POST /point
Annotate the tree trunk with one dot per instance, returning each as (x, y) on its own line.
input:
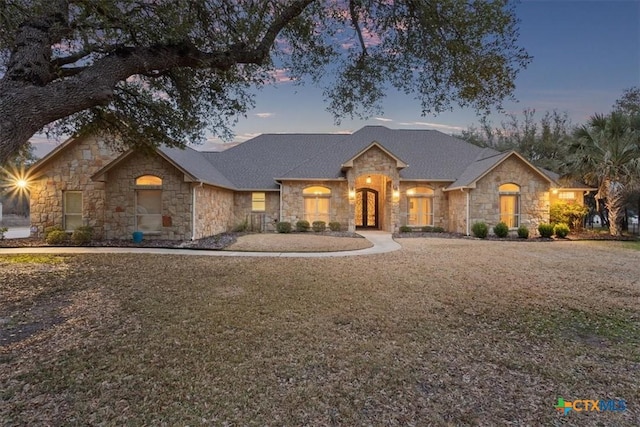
(615, 206)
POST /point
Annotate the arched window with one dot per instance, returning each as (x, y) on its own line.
(317, 201)
(149, 204)
(420, 206)
(149, 180)
(510, 204)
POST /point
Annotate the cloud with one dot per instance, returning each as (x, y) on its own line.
(280, 75)
(434, 125)
(342, 132)
(383, 119)
(264, 115)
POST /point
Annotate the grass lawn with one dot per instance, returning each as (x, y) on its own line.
(443, 332)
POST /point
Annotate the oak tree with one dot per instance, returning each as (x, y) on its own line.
(162, 71)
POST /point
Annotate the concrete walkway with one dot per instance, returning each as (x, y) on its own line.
(382, 243)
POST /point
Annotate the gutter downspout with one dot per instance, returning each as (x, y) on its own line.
(280, 197)
(468, 212)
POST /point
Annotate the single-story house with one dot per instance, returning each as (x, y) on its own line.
(376, 178)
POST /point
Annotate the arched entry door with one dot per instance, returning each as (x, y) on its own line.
(367, 208)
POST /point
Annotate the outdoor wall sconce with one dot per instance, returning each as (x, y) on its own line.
(368, 180)
(352, 193)
(396, 193)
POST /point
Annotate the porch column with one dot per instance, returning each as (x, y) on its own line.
(351, 195)
(395, 204)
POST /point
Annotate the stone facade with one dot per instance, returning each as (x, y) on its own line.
(70, 170)
(534, 194)
(120, 189)
(457, 201)
(385, 179)
(293, 200)
(214, 210)
(255, 220)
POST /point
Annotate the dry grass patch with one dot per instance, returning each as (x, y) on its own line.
(307, 242)
(443, 332)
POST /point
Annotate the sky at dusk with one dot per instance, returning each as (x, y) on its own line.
(585, 53)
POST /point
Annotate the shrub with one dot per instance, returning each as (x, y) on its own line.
(241, 227)
(438, 230)
(427, 229)
(561, 230)
(571, 214)
(283, 227)
(49, 230)
(335, 226)
(545, 230)
(56, 237)
(405, 229)
(480, 229)
(319, 226)
(501, 230)
(302, 225)
(2, 231)
(82, 235)
(523, 232)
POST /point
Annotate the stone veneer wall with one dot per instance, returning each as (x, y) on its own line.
(534, 194)
(293, 204)
(376, 162)
(71, 170)
(257, 221)
(457, 211)
(440, 203)
(214, 210)
(120, 212)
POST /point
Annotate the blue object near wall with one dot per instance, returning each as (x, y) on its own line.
(137, 236)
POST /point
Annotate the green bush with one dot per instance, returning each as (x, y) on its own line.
(283, 227)
(2, 231)
(319, 226)
(82, 235)
(335, 226)
(49, 230)
(405, 229)
(427, 229)
(523, 232)
(56, 237)
(561, 230)
(302, 225)
(571, 214)
(501, 230)
(480, 229)
(545, 230)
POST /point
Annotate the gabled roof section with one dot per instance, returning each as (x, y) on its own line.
(188, 161)
(399, 163)
(483, 165)
(256, 163)
(52, 154)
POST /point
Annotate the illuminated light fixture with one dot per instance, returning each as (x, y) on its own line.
(22, 183)
(411, 192)
(554, 190)
(368, 180)
(396, 193)
(352, 194)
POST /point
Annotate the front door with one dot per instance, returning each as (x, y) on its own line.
(367, 208)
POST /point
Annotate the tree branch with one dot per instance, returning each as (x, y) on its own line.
(356, 25)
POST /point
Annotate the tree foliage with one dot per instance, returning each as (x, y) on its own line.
(605, 153)
(161, 72)
(541, 142)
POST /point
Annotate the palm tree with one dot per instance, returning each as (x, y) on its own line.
(606, 154)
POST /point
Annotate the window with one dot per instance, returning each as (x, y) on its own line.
(420, 203)
(510, 204)
(567, 196)
(316, 203)
(149, 204)
(72, 210)
(258, 202)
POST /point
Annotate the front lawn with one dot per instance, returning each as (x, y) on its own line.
(443, 332)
